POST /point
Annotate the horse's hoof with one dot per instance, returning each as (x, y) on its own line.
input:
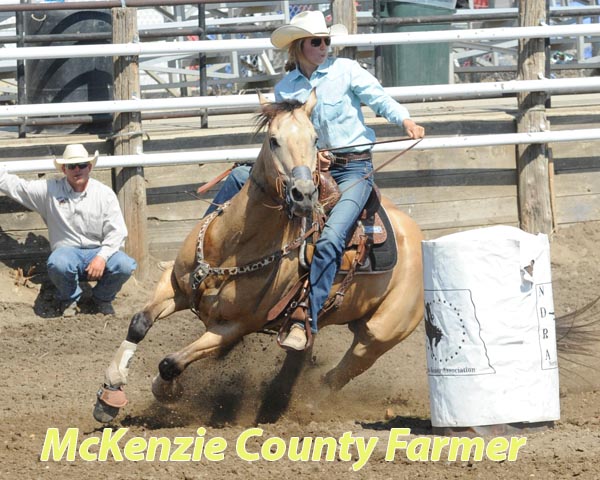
(166, 391)
(108, 403)
(104, 413)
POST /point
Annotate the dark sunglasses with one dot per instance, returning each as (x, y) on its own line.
(80, 166)
(316, 42)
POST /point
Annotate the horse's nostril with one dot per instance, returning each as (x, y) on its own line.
(297, 195)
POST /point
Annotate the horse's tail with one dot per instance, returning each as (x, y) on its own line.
(578, 333)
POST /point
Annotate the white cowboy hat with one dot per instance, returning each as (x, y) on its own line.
(303, 25)
(75, 153)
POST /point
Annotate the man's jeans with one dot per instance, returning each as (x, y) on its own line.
(66, 268)
(330, 246)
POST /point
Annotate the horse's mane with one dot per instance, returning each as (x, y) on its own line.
(271, 110)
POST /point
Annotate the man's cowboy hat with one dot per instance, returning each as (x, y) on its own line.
(303, 25)
(75, 153)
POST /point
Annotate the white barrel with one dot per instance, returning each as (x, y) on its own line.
(489, 321)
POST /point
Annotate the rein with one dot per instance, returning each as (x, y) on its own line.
(280, 204)
(369, 144)
(386, 163)
(208, 185)
(204, 269)
(395, 157)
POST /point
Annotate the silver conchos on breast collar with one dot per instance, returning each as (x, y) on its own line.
(203, 269)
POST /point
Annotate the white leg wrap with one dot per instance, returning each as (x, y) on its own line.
(117, 371)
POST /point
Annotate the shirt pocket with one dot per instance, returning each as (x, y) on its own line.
(93, 225)
(340, 117)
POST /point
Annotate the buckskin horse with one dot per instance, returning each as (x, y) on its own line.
(239, 262)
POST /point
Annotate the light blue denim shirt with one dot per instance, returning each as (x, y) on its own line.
(341, 85)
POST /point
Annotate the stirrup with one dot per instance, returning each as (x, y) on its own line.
(296, 339)
(289, 338)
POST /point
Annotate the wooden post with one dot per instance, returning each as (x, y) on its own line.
(535, 212)
(378, 50)
(202, 80)
(21, 86)
(127, 140)
(344, 12)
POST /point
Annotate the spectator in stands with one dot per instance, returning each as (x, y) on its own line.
(85, 227)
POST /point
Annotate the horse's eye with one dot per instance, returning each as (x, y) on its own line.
(273, 143)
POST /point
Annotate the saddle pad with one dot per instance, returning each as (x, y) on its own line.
(382, 256)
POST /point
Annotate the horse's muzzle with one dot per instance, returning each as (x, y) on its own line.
(301, 192)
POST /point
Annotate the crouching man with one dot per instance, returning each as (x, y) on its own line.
(85, 227)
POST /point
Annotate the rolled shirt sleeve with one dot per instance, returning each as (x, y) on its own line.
(342, 85)
(29, 193)
(372, 94)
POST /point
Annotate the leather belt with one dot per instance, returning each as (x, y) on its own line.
(344, 158)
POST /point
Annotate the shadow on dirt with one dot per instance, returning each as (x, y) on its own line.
(277, 395)
(224, 401)
(27, 261)
(157, 417)
(418, 426)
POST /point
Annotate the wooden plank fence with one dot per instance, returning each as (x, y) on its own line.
(443, 190)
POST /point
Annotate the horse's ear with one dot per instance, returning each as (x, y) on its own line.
(311, 102)
(262, 99)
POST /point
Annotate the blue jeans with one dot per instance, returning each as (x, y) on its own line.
(232, 185)
(66, 267)
(330, 245)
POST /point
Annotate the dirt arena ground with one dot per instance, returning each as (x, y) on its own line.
(52, 368)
